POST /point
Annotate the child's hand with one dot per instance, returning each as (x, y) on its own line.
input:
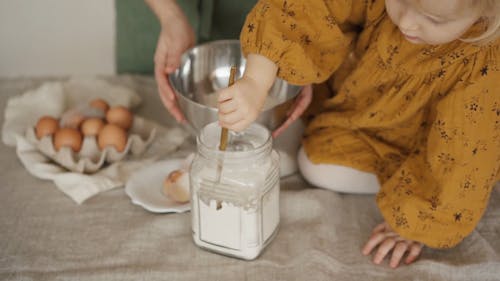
(240, 104)
(386, 240)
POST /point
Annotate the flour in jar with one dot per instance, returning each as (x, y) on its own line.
(248, 213)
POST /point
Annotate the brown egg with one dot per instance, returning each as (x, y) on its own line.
(74, 121)
(46, 126)
(112, 135)
(68, 137)
(100, 104)
(92, 126)
(121, 116)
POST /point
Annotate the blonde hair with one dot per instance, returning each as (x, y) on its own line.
(490, 15)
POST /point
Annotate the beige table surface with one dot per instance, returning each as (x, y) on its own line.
(46, 236)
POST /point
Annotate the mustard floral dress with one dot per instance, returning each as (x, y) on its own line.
(425, 119)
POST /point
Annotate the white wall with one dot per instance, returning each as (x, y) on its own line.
(56, 37)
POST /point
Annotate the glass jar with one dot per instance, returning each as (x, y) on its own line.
(235, 193)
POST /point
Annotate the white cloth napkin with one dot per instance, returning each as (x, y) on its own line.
(53, 98)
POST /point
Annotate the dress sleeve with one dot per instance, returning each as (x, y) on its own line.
(441, 191)
(307, 39)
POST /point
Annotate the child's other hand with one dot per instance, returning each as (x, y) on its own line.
(240, 104)
(386, 240)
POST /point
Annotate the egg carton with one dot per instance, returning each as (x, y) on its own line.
(90, 158)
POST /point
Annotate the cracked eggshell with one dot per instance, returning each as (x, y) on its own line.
(176, 186)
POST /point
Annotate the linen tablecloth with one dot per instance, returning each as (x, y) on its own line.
(44, 235)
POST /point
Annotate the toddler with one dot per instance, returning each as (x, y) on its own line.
(410, 109)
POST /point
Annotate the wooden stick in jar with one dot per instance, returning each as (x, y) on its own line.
(224, 137)
(224, 132)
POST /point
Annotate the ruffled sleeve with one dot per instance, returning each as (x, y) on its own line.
(307, 39)
(440, 192)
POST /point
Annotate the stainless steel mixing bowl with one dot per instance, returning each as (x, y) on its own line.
(205, 69)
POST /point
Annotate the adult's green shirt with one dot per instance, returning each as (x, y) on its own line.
(138, 28)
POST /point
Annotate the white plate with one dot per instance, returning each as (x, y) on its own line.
(145, 188)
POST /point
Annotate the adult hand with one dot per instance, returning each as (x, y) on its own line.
(176, 36)
(299, 106)
(386, 240)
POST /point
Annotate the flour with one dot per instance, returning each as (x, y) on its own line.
(250, 209)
